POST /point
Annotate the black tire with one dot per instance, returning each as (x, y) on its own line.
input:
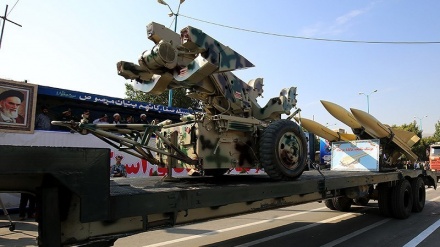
(283, 150)
(402, 199)
(362, 201)
(384, 199)
(342, 203)
(419, 194)
(329, 204)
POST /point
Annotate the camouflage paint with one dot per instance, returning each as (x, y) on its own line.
(227, 134)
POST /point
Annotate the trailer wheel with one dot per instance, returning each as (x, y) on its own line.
(419, 194)
(283, 150)
(384, 199)
(342, 203)
(329, 204)
(362, 201)
(402, 199)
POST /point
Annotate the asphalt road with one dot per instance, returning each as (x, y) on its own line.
(309, 224)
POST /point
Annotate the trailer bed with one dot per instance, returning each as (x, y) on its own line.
(80, 204)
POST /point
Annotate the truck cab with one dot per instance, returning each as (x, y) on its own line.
(434, 158)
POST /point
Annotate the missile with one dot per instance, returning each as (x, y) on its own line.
(341, 114)
(408, 137)
(371, 124)
(347, 118)
(324, 132)
(379, 130)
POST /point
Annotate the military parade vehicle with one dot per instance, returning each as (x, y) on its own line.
(232, 129)
(79, 204)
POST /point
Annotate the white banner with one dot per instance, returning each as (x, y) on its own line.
(361, 155)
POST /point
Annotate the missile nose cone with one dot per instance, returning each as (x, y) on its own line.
(341, 114)
(362, 116)
(357, 111)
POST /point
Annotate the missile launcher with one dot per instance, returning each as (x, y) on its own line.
(231, 131)
(394, 142)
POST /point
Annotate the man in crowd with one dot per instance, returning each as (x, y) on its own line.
(10, 101)
(116, 118)
(143, 119)
(101, 120)
(42, 122)
(118, 169)
(23, 210)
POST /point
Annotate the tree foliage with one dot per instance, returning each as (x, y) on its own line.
(421, 147)
(179, 97)
(411, 127)
(437, 131)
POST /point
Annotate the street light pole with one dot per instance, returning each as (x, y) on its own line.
(368, 99)
(170, 93)
(420, 121)
(5, 18)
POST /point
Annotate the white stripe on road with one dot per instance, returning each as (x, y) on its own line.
(354, 234)
(231, 228)
(262, 240)
(284, 233)
(345, 238)
(324, 221)
(423, 235)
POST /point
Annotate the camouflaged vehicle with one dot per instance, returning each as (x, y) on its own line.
(232, 131)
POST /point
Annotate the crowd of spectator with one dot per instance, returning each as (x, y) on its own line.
(418, 165)
(44, 117)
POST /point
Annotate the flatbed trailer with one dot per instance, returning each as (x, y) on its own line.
(77, 203)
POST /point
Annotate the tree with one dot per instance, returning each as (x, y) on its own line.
(179, 97)
(437, 131)
(411, 127)
(423, 144)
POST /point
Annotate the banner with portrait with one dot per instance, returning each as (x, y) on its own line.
(17, 106)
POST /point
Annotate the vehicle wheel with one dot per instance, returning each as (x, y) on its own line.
(362, 201)
(283, 150)
(419, 194)
(342, 203)
(402, 199)
(384, 199)
(329, 204)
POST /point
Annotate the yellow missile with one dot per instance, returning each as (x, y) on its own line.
(379, 130)
(341, 114)
(408, 137)
(324, 132)
(371, 124)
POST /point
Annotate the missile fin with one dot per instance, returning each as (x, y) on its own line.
(376, 128)
(407, 136)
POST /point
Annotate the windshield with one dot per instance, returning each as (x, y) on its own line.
(435, 151)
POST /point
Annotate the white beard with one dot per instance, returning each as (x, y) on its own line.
(11, 113)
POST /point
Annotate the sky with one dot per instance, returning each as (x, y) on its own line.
(75, 45)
